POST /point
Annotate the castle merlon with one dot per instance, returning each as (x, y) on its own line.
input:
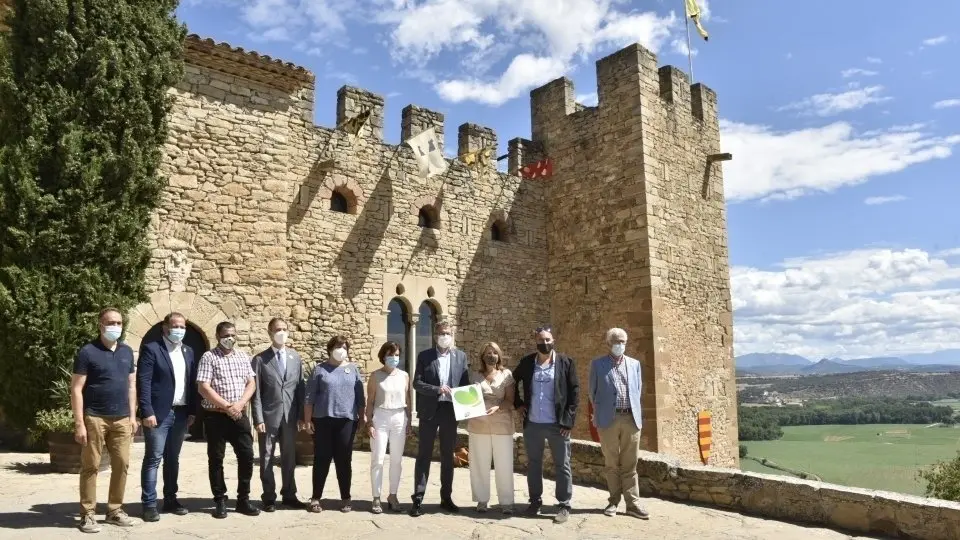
(624, 79)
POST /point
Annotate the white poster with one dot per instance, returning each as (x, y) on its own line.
(468, 402)
(427, 151)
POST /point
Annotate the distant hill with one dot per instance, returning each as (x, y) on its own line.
(753, 360)
(874, 383)
(792, 364)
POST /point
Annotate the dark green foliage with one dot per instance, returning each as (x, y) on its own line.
(763, 423)
(743, 451)
(943, 479)
(83, 105)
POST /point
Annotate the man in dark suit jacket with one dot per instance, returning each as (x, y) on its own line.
(277, 415)
(167, 399)
(546, 394)
(438, 370)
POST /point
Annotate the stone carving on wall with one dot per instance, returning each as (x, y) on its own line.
(176, 248)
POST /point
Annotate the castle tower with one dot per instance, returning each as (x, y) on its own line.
(637, 239)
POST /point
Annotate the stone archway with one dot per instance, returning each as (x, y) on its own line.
(198, 311)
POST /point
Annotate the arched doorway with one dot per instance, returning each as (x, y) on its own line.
(196, 340)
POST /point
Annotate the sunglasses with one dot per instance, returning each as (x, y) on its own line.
(543, 329)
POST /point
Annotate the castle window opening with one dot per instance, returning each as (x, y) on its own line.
(425, 324)
(498, 232)
(427, 218)
(339, 203)
(398, 329)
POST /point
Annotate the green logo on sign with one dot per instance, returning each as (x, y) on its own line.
(467, 397)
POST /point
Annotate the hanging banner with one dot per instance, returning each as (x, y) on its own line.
(705, 430)
(427, 150)
(540, 169)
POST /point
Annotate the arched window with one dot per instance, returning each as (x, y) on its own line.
(427, 218)
(339, 203)
(398, 328)
(498, 232)
(428, 318)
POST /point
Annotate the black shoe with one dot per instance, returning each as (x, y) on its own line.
(417, 510)
(533, 509)
(174, 507)
(447, 504)
(246, 508)
(150, 514)
(295, 504)
(269, 507)
(220, 509)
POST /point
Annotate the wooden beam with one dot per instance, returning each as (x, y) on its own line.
(726, 156)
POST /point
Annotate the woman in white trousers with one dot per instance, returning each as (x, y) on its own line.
(491, 436)
(388, 405)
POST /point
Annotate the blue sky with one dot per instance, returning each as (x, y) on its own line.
(843, 118)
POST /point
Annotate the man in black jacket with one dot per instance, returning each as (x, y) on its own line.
(547, 391)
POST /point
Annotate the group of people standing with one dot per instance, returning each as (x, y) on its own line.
(167, 387)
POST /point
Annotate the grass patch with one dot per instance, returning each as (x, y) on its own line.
(873, 456)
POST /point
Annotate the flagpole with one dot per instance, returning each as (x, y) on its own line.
(686, 18)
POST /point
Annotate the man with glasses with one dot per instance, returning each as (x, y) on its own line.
(103, 395)
(547, 391)
(227, 382)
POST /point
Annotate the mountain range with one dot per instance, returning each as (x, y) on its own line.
(792, 364)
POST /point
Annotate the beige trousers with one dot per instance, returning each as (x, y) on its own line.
(117, 435)
(620, 443)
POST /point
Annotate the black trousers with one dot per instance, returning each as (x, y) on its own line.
(444, 423)
(220, 429)
(333, 441)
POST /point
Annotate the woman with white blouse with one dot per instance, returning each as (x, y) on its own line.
(388, 405)
(491, 436)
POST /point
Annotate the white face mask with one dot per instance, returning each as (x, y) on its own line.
(339, 354)
(228, 342)
(280, 337)
(445, 341)
(617, 349)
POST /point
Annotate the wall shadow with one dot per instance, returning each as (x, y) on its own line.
(361, 246)
(312, 183)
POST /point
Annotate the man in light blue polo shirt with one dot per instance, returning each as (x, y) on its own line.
(615, 384)
(547, 391)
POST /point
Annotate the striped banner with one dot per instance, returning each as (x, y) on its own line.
(706, 434)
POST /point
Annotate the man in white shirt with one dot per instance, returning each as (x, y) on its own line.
(166, 396)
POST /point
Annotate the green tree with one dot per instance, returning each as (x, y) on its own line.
(83, 106)
(943, 479)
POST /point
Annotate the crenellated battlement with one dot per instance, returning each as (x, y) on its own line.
(627, 81)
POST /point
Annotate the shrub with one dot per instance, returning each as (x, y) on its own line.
(743, 451)
(943, 479)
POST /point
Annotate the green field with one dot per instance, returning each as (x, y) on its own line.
(954, 403)
(871, 456)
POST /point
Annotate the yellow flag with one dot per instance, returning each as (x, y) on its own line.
(693, 11)
(353, 125)
(476, 158)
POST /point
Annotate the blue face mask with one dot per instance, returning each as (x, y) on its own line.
(392, 361)
(112, 333)
(176, 334)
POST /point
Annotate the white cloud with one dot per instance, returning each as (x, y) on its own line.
(549, 38)
(939, 40)
(854, 72)
(873, 60)
(306, 21)
(590, 99)
(946, 103)
(831, 104)
(867, 302)
(770, 164)
(883, 199)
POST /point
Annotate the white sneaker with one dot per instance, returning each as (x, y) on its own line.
(120, 519)
(610, 510)
(88, 524)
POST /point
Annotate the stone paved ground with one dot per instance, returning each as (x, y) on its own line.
(41, 505)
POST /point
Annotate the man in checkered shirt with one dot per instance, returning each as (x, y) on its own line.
(615, 384)
(226, 382)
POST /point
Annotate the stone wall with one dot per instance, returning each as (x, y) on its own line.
(246, 230)
(637, 239)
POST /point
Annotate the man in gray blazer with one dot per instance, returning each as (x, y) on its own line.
(277, 414)
(439, 369)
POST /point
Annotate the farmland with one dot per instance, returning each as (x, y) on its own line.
(875, 456)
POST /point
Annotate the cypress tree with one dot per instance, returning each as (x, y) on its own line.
(83, 105)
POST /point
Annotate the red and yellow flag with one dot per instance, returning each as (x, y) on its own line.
(705, 430)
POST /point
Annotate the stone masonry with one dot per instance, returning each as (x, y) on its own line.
(629, 231)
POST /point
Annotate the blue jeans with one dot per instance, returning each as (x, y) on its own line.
(163, 443)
